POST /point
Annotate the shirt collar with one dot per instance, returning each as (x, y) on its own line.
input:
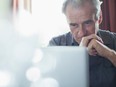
(72, 41)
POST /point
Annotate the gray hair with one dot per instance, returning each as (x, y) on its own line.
(76, 3)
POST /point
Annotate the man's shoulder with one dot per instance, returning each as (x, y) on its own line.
(63, 39)
(109, 38)
(106, 32)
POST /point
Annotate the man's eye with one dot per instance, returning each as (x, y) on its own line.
(88, 22)
(73, 25)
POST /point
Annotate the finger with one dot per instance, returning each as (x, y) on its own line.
(93, 36)
(94, 52)
(91, 49)
(84, 41)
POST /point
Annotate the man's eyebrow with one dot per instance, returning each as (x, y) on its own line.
(73, 24)
(88, 21)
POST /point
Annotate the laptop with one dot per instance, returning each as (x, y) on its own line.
(59, 66)
(63, 66)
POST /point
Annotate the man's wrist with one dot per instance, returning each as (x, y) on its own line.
(112, 57)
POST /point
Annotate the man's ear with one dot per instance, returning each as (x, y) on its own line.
(100, 18)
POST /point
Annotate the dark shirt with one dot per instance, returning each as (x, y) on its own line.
(102, 71)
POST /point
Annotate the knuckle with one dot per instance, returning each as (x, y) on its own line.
(93, 40)
(84, 38)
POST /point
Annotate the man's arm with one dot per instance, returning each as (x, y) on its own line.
(95, 46)
(103, 50)
(112, 57)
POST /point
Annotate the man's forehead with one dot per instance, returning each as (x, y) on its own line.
(79, 16)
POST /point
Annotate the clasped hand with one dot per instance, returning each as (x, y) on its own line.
(95, 45)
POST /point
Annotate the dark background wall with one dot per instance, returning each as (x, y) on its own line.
(109, 15)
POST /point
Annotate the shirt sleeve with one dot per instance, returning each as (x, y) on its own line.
(114, 37)
(54, 42)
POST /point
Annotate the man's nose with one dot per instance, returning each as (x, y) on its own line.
(82, 31)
